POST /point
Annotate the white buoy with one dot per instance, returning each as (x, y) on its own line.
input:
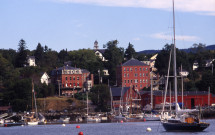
(22, 125)
(148, 129)
(63, 125)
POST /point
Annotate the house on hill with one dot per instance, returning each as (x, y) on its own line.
(99, 52)
(31, 61)
(45, 78)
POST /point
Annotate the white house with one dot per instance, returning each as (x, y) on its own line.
(31, 61)
(45, 78)
(184, 73)
(195, 65)
(208, 63)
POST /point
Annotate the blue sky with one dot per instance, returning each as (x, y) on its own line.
(76, 24)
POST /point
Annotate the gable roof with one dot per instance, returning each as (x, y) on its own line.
(100, 50)
(134, 62)
(116, 91)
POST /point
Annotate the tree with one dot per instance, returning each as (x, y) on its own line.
(100, 96)
(22, 54)
(115, 57)
(130, 52)
(39, 54)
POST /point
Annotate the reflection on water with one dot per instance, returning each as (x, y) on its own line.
(126, 128)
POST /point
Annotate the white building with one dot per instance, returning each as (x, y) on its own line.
(45, 78)
(31, 61)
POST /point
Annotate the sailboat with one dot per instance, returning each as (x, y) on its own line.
(151, 117)
(183, 120)
(33, 118)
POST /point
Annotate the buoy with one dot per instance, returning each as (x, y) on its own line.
(22, 125)
(121, 121)
(80, 133)
(144, 120)
(77, 126)
(63, 125)
(5, 125)
(148, 129)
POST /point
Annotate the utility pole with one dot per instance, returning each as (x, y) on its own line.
(58, 87)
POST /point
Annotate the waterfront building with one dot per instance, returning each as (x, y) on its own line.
(133, 73)
(31, 61)
(191, 99)
(45, 78)
(71, 79)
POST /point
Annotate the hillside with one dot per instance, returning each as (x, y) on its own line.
(209, 47)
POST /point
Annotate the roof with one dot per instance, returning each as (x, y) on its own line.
(134, 62)
(189, 93)
(116, 91)
(68, 68)
(100, 50)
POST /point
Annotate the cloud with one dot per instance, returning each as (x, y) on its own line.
(136, 39)
(203, 7)
(170, 37)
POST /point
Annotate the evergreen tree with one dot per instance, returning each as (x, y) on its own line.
(22, 54)
(130, 52)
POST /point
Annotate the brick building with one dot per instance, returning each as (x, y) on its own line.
(133, 73)
(71, 79)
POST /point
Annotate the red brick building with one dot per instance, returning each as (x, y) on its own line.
(191, 99)
(133, 73)
(70, 79)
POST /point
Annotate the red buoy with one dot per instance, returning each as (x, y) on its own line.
(121, 121)
(144, 120)
(5, 125)
(80, 133)
(77, 126)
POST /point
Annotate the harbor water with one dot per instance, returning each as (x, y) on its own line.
(125, 128)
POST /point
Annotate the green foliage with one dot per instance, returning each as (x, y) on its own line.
(100, 96)
(130, 52)
(115, 57)
(22, 54)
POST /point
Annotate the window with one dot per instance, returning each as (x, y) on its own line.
(140, 74)
(146, 69)
(140, 69)
(143, 74)
(136, 81)
(128, 75)
(125, 81)
(140, 81)
(124, 75)
(70, 78)
(73, 77)
(66, 78)
(77, 78)
(143, 81)
(124, 69)
(143, 69)
(128, 81)
(73, 84)
(146, 80)
(141, 86)
(135, 75)
(127, 69)
(146, 74)
(77, 84)
(130, 69)
(135, 69)
(131, 81)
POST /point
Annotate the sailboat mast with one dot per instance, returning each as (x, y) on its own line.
(175, 74)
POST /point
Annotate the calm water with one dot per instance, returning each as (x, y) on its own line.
(126, 128)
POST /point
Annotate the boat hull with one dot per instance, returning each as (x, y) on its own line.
(186, 127)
